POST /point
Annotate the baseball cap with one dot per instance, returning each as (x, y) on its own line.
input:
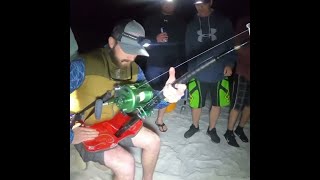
(200, 1)
(131, 37)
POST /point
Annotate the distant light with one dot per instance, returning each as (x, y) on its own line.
(166, 1)
(146, 45)
(145, 42)
(198, 2)
(201, 1)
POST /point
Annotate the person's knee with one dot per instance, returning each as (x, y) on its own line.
(124, 165)
(153, 141)
(147, 140)
(127, 163)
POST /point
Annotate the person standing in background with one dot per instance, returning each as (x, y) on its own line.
(166, 30)
(207, 29)
(240, 100)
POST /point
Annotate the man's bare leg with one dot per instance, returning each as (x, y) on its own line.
(159, 120)
(244, 119)
(150, 144)
(214, 115)
(233, 116)
(121, 162)
(245, 116)
(196, 113)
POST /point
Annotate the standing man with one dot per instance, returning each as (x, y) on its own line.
(207, 29)
(240, 100)
(166, 30)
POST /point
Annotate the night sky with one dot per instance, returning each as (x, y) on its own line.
(92, 20)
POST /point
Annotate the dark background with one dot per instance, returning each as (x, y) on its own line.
(92, 21)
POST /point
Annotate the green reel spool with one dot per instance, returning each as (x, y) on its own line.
(134, 97)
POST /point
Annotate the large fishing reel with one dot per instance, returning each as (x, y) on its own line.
(133, 98)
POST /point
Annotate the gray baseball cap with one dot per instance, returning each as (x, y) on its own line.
(130, 35)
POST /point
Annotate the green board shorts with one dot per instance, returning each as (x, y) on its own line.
(220, 94)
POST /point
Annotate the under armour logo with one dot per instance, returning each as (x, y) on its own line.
(211, 35)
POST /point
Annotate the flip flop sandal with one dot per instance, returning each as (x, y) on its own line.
(161, 126)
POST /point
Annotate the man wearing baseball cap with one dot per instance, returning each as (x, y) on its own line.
(166, 29)
(208, 29)
(104, 68)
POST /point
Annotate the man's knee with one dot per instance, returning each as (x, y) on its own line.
(123, 164)
(126, 162)
(147, 139)
(153, 140)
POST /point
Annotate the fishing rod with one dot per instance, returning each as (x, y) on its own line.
(126, 96)
(189, 75)
(135, 102)
(138, 100)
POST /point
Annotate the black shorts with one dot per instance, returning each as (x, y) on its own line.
(240, 93)
(99, 156)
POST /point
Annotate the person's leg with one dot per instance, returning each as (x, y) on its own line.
(230, 137)
(197, 93)
(244, 119)
(159, 121)
(158, 82)
(237, 101)
(150, 144)
(237, 105)
(214, 115)
(246, 111)
(121, 162)
(196, 113)
(233, 115)
(211, 131)
(215, 104)
(245, 115)
(117, 159)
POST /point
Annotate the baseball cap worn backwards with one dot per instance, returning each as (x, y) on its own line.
(131, 37)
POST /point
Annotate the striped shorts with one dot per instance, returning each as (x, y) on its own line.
(240, 93)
